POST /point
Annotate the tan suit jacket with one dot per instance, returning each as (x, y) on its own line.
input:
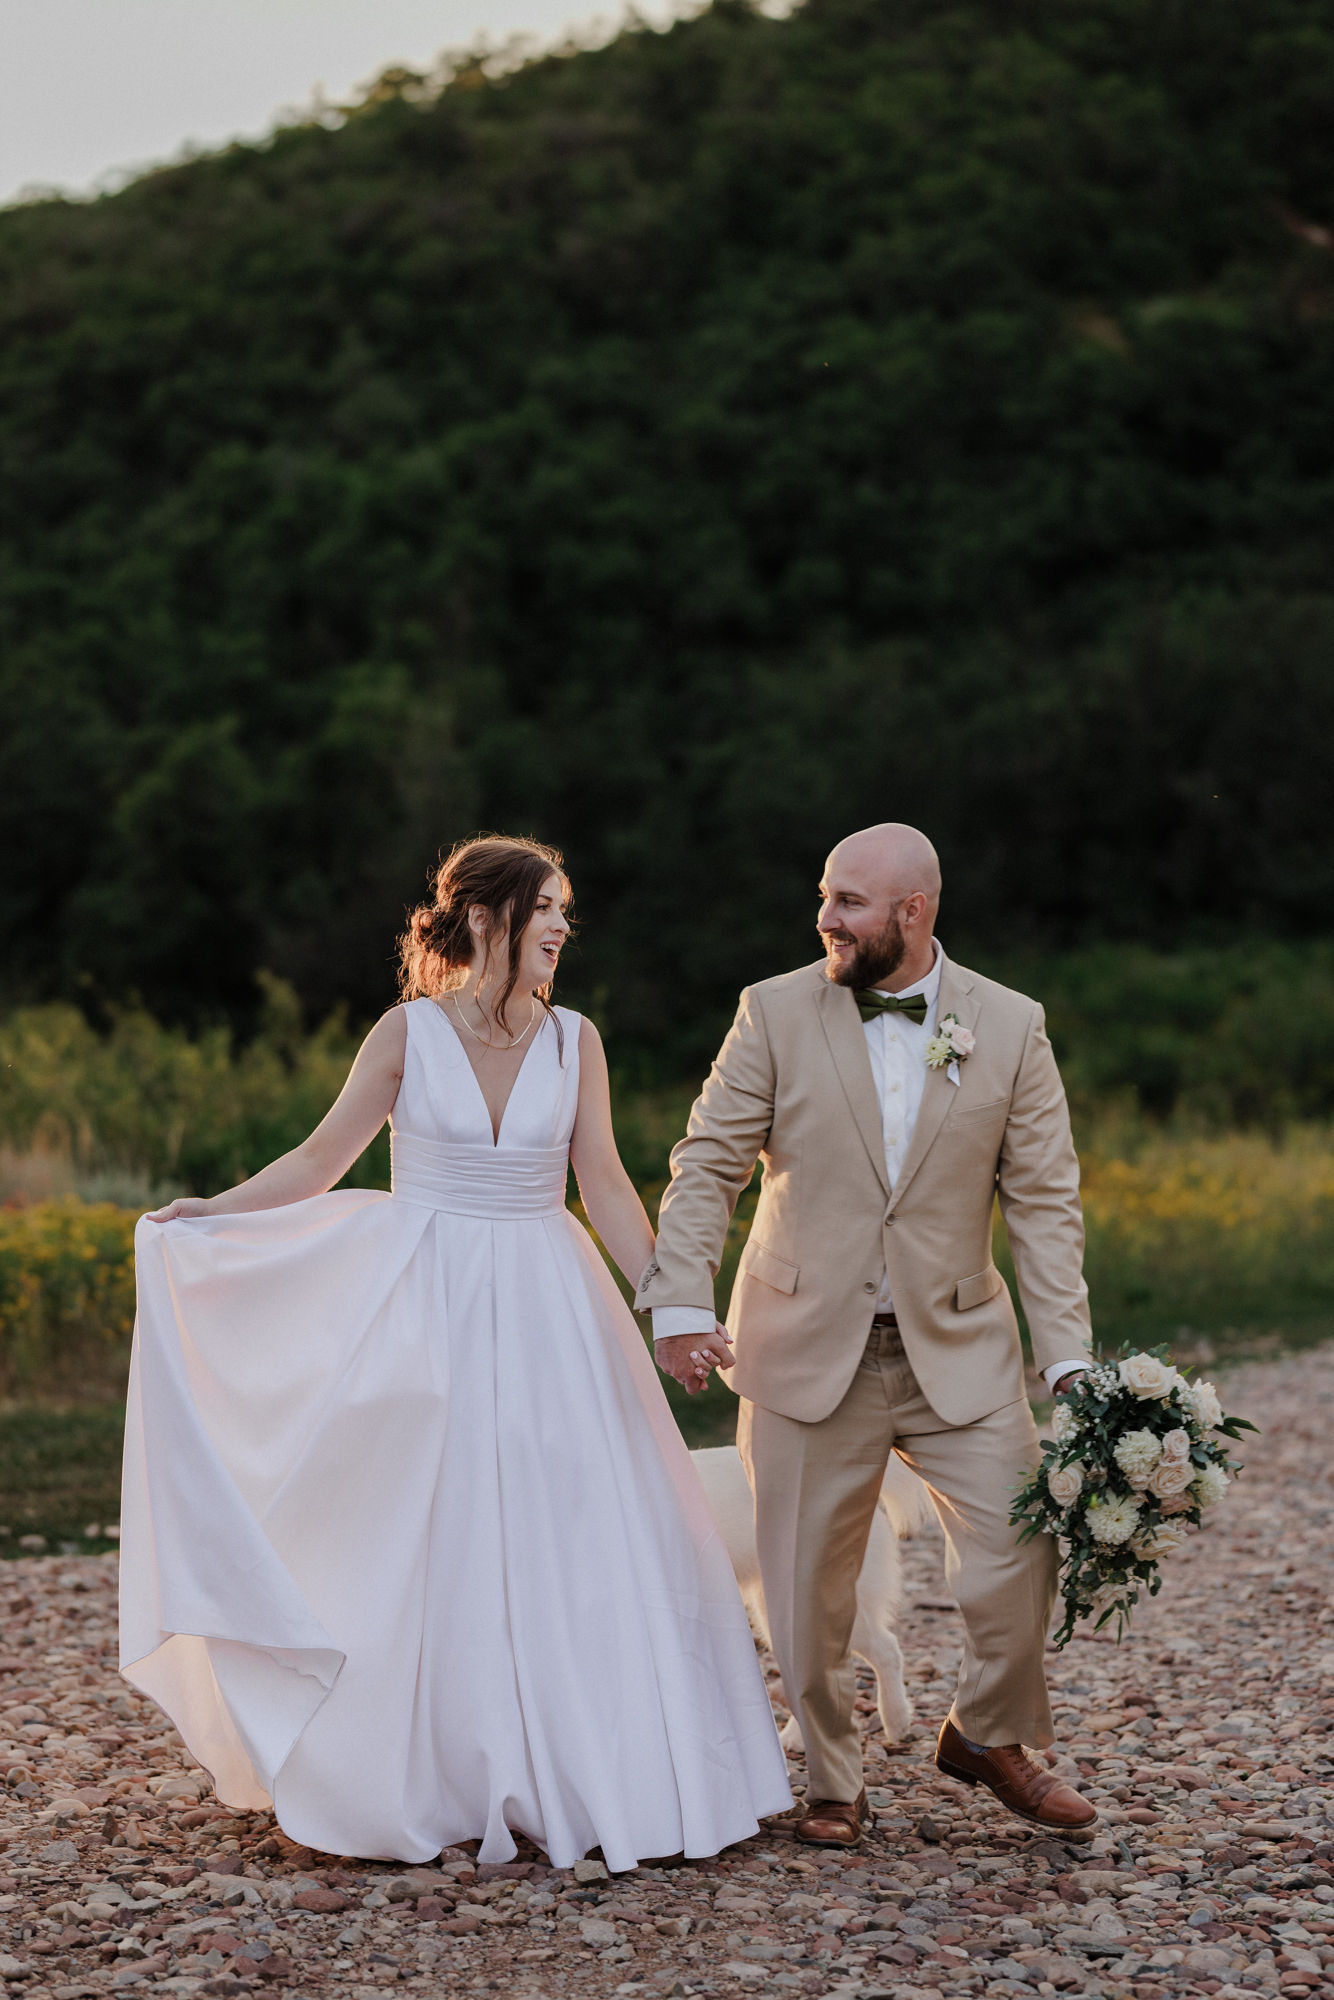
(792, 1085)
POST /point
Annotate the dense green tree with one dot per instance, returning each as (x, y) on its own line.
(686, 450)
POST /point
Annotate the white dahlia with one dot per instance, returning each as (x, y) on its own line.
(1211, 1485)
(1112, 1522)
(1137, 1452)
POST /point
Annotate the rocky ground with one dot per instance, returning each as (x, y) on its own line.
(1206, 1739)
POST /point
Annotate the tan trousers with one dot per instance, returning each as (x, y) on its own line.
(815, 1488)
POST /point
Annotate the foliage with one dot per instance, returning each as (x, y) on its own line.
(1223, 1038)
(1134, 1462)
(1224, 1238)
(1212, 1232)
(165, 1111)
(1227, 1234)
(1154, 1048)
(66, 1298)
(685, 450)
(60, 1473)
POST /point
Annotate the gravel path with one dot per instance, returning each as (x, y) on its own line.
(1205, 1738)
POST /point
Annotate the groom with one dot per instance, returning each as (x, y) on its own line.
(891, 1096)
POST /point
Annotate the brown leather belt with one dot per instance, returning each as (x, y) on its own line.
(886, 1319)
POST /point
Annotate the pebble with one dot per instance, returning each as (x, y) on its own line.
(1206, 1739)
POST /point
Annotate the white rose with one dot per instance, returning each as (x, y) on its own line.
(1170, 1477)
(1177, 1503)
(1201, 1399)
(1113, 1521)
(1176, 1446)
(1147, 1377)
(1110, 1597)
(1137, 1452)
(1156, 1543)
(1065, 1483)
(1211, 1485)
(963, 1039)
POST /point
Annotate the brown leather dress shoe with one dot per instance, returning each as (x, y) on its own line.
(832, 1822)
(1021, 1784)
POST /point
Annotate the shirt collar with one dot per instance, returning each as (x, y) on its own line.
(930, 986)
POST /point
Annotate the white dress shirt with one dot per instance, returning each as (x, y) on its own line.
(896, 1045)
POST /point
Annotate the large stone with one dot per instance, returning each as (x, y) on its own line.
(327, 1902)
(1208, 1958)
(465, 1920)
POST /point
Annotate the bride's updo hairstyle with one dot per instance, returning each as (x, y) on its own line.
(502, 876)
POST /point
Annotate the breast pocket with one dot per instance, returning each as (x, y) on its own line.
(996, 1108)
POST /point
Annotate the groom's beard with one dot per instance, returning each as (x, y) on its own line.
(875, 958)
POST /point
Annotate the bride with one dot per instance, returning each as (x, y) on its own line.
(412, 1549)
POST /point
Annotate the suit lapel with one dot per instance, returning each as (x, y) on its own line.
(842, 1024)
(938, 1094)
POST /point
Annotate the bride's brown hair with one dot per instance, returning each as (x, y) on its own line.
(505, 877)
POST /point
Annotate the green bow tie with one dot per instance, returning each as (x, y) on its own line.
(872, 1003)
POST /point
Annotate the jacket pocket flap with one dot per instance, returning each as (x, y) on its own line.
(757, 1262)
(975, 1291)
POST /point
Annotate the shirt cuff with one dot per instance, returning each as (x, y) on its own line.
(670, 1322)
(1051, 1376)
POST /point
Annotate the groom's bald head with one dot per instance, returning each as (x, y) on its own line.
(894, 858)
(879, 896)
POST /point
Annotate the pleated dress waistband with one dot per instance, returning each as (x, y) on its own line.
(502, 1183)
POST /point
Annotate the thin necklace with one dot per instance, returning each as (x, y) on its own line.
(482, 1038)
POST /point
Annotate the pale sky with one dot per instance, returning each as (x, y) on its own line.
(93, 88)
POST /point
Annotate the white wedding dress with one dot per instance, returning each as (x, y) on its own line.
(411, 1546)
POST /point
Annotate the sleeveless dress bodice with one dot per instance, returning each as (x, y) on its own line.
(411, 1546)
(443, 1152)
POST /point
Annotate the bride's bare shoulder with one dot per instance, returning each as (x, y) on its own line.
(388, 1039)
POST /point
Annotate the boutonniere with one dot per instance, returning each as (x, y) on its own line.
(951, 1044)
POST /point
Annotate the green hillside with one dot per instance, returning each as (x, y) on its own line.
(686, 451)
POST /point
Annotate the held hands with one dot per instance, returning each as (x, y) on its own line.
(689, 1357)
(184, 1206)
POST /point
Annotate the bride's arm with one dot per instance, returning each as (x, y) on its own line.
(607, 1191)
(365, 1101)
(616, 1212)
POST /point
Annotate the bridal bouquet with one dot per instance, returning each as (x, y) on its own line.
(1135, 1459)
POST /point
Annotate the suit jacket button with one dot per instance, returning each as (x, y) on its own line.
(890, 1219)
(870, 1287)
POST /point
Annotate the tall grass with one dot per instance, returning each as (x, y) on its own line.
(143, 1111)
(1225, 1237)
(1223, 1232)
(1215, 1233)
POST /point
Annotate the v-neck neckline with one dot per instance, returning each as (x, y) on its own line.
(498, 1128)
